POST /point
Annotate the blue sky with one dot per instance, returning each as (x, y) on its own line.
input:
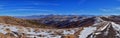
(61, 7)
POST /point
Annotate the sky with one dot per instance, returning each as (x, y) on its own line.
(59, 7)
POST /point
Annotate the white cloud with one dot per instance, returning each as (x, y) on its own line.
(24, 9)
(42, 3)
(27, 10)
(106, 10)
(118, 8)
(46, 4)
(110, 9)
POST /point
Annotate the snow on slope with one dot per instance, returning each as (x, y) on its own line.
(86, 32)
(104, 26)
(99, 27)
(30, 32)
(117, 28)
(89, 30)
(98, 20)
(108, 30)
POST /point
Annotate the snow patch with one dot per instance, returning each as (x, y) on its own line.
(87, 31)
(102, 28)
(116, 26)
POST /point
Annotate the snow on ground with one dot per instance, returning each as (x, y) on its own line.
(87, 31)
(117, 28)
(98, 21)
(48, 33)
(32, 33)
(1, 30)
(65, 32)
(104, 26)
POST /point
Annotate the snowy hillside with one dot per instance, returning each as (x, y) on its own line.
(92, 27)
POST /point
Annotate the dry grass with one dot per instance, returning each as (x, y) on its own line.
(20, 22)
(69, 36)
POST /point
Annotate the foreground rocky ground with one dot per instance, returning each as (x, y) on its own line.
(11, 31)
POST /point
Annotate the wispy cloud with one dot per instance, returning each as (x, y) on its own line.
(27, 10)
(24, 9)
(46, 4)
(118, 8)
(106, 9)
(43, 3)
(110, 9)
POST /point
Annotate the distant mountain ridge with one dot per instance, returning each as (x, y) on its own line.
(84, 26)
(45, 16)
(68, 21)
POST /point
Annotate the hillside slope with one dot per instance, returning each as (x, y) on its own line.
(91, 27)
(19, 22)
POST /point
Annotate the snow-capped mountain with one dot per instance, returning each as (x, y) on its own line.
(72, 27)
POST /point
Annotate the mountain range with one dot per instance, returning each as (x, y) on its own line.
(65, 26)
